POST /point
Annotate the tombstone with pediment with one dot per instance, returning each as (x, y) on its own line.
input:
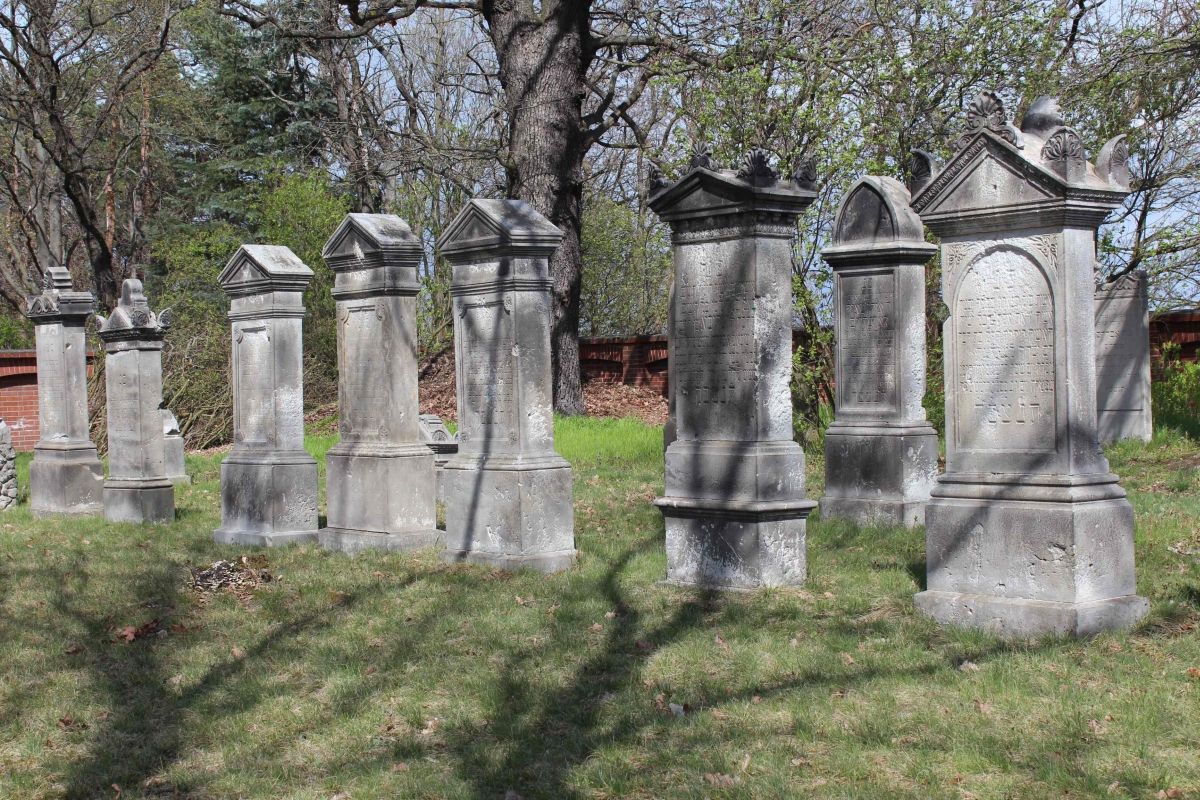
(137, 488)
(734, 501)
(881, 453)
(1028, 532)
(508, 493)
(380, 475)
(65, 476)
(443, 443)
(1123, 359)
(268, 480)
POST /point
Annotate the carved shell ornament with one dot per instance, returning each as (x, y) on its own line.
(657, 180)
(987, 113)
(1063, 144)
(805, 175)
(922, 166)
(756, 167)
(701, 156)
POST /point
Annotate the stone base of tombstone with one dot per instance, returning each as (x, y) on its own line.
(1115, 425)
(139, 501)
(399, 481)
(887, 473)
(67, 480)
(716, 545)
(510, 516)
(176, 464)
(735, 514)
(1031, 560)
(268, 501)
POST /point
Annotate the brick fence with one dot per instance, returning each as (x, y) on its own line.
(1180, 327)
(632, 360)
(18, 396)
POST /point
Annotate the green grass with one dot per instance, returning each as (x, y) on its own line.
(396, 676)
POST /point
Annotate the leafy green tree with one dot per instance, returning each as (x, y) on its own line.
(626, 271)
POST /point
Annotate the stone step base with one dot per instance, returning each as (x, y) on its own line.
(350, 541)
(1018, 618)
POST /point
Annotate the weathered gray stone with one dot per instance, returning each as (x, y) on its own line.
(880, 452)
(508, 493)
(1028, 532)
(137, 488)
(8, 468)
(1123, 359)
(670, 430)
(65, 476)
(380, 479)
(268, 481)
(733, 498)
(173, 449)
(437, 437)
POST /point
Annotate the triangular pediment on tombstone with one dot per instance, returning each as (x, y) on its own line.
(256, 264)
(366, 233)
(494, 223)
(988, 175)
(705, 192)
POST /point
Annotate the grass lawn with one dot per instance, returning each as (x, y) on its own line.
(396, 676)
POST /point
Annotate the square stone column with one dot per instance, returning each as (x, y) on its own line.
(1028, 532)
(65, 476)
(137, 488)
(268, 481)
(379, 476)
(733, 498)
(174, 449)
(508, 493)
(881, 453)
(1123, 359)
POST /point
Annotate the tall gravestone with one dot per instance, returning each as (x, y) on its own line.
(508, 493)
(268, 481)
(881, 453)
(438, 438)
(380, 478)
(734, 501)
(1123, 359)
(137, 488)
(1028, 531)
(65, 476)
(174, 449)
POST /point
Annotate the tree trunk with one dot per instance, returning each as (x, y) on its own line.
(542, 65)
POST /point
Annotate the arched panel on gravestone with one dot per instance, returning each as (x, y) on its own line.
(1004, 355)
(864, 216)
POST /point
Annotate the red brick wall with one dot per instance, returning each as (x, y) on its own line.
(18, 396)
(634, 360)
(1180, 327)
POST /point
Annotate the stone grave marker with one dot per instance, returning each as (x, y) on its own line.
(268, 481)
(8, 468)
(508, 493)
(1028, 532)
(443, 443)
(174, 449)
(881, 453)
(381, 487)
(734, 500)
(65, 476)
(137, 488)
(1123, 359)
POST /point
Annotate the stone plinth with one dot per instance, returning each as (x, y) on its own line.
(1123, 359)
(881, 452)
(508, 493)
(437, 437)
(1028, 531)
(65, 476)
(173, 449)
(8, 468)
(733, 499)
(137, 488)
(379, 475)
(268, 481)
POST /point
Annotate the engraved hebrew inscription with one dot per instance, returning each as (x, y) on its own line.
(716, 351)
(254, 381)
(363, 386)
(1004, 353)
(1120, 353)
(868, 307)
(489, 371)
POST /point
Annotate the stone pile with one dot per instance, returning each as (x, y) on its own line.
(8, 468)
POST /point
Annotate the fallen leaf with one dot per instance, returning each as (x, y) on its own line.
(610, 615)
(756, 700)
(722, 780)
(73, 649)
(745, 763)
(983, 707)
(794, 642)
(237, 653)
(1194, 673)
(676, 709)
(718, 714)
(1166, 794)
(71, 724)
(116, 788)
(431, 725)
(968, 666)
(400, 766)
(643, 645)
(1114, 786)
(847, 659)
(511, 795)
(720, 642)
(1096, 726)
(828, 595)
(595, 627)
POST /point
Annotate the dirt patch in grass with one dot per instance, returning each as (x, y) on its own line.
(603, 399)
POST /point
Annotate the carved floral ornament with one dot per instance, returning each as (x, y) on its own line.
(755, 168)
